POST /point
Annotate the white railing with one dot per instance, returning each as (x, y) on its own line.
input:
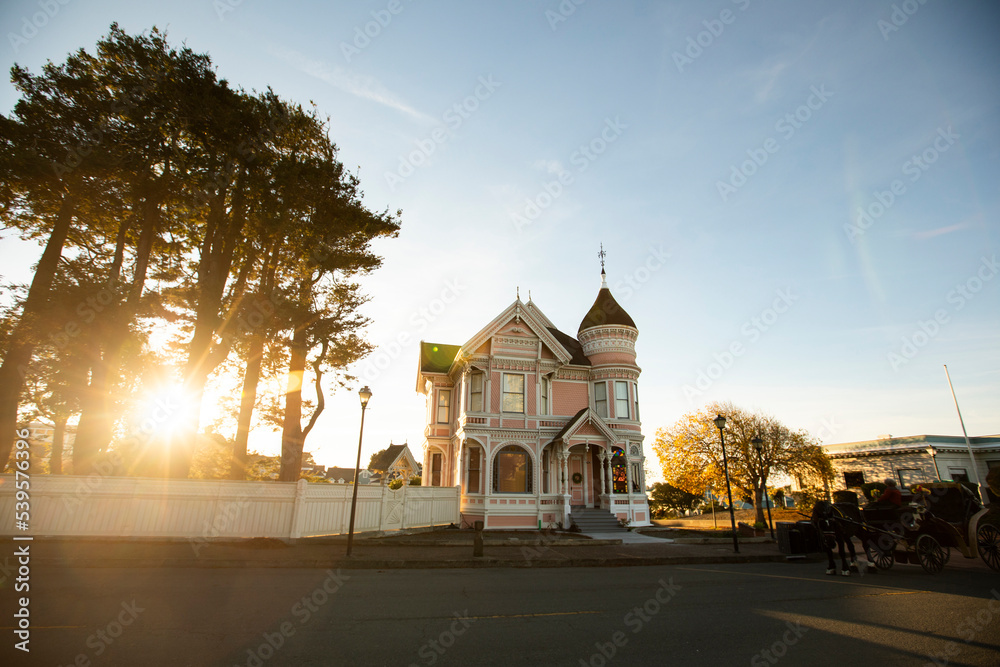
(105, 506)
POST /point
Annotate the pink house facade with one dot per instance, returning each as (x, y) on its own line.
(531, 422)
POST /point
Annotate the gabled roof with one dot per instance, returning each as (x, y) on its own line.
(584, 416)
(532, 318)
(391, 455)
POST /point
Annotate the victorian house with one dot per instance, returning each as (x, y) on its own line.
(533, 423)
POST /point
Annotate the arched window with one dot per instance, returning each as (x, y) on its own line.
(618, 475)
(512, 470)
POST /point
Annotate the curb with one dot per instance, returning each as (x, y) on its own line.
(398, 564)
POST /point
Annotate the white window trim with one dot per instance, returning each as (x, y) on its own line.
(447, 407)
(597, 409)
(617, 384)
(504, 392)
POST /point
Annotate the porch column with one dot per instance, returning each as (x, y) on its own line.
(487, 486)
(463, 466)
(611, 481)
(600, 455)
(565, 472)
(564, 483)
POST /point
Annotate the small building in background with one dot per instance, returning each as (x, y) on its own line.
(913, 459)
(346, 476)
(395, 462)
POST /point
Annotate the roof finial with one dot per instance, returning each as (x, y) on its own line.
(604, 277)
(518, 289)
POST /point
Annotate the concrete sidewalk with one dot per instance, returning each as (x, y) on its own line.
(405, 551)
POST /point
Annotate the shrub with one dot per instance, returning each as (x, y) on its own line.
(807, 497)
(396, 484)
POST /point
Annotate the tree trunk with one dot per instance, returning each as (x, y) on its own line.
(97, 419)
(58, 437)
(247, 401)
(291, 431)
(24, 338)
(222, 236)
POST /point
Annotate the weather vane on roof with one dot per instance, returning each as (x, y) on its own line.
(602, 255)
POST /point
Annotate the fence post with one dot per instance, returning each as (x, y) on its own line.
(406, 508)
(381, 508)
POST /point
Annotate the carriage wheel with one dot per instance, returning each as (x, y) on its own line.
(988, 543)
(930, 553)
(883, 560)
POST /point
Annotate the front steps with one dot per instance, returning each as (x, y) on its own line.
(592, 520)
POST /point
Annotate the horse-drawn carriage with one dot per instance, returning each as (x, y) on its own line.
(941, 516)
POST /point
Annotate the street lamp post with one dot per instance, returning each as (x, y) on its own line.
(758, 444)
(933, 453)
(365, 395)
(720, 422)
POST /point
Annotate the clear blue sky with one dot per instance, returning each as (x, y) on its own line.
(731, 148)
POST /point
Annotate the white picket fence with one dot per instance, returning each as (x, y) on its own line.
(105, 506)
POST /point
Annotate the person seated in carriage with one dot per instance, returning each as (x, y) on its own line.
(891, 495)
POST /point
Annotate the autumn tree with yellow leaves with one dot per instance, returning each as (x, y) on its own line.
(690, 452)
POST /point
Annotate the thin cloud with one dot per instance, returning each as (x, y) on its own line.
(931, 233)
(365, 87)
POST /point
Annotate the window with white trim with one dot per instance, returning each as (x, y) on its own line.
(543, 409)
(621, 399)
(513, 393)
(601, 399)
(512, 470)
(475, 465)
(476, 392)
(635, 394)
(436, 462)
(443, 406)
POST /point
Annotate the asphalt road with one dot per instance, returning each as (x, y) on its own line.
(763, 614)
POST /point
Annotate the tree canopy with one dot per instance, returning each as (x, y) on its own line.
(190, 229)
(690, 452)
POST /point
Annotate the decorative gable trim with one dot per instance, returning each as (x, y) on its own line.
(515, 311)
(588, 416)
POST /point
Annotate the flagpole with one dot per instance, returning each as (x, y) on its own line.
(968, 445)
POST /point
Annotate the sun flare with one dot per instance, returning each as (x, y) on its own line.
(165, 411)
